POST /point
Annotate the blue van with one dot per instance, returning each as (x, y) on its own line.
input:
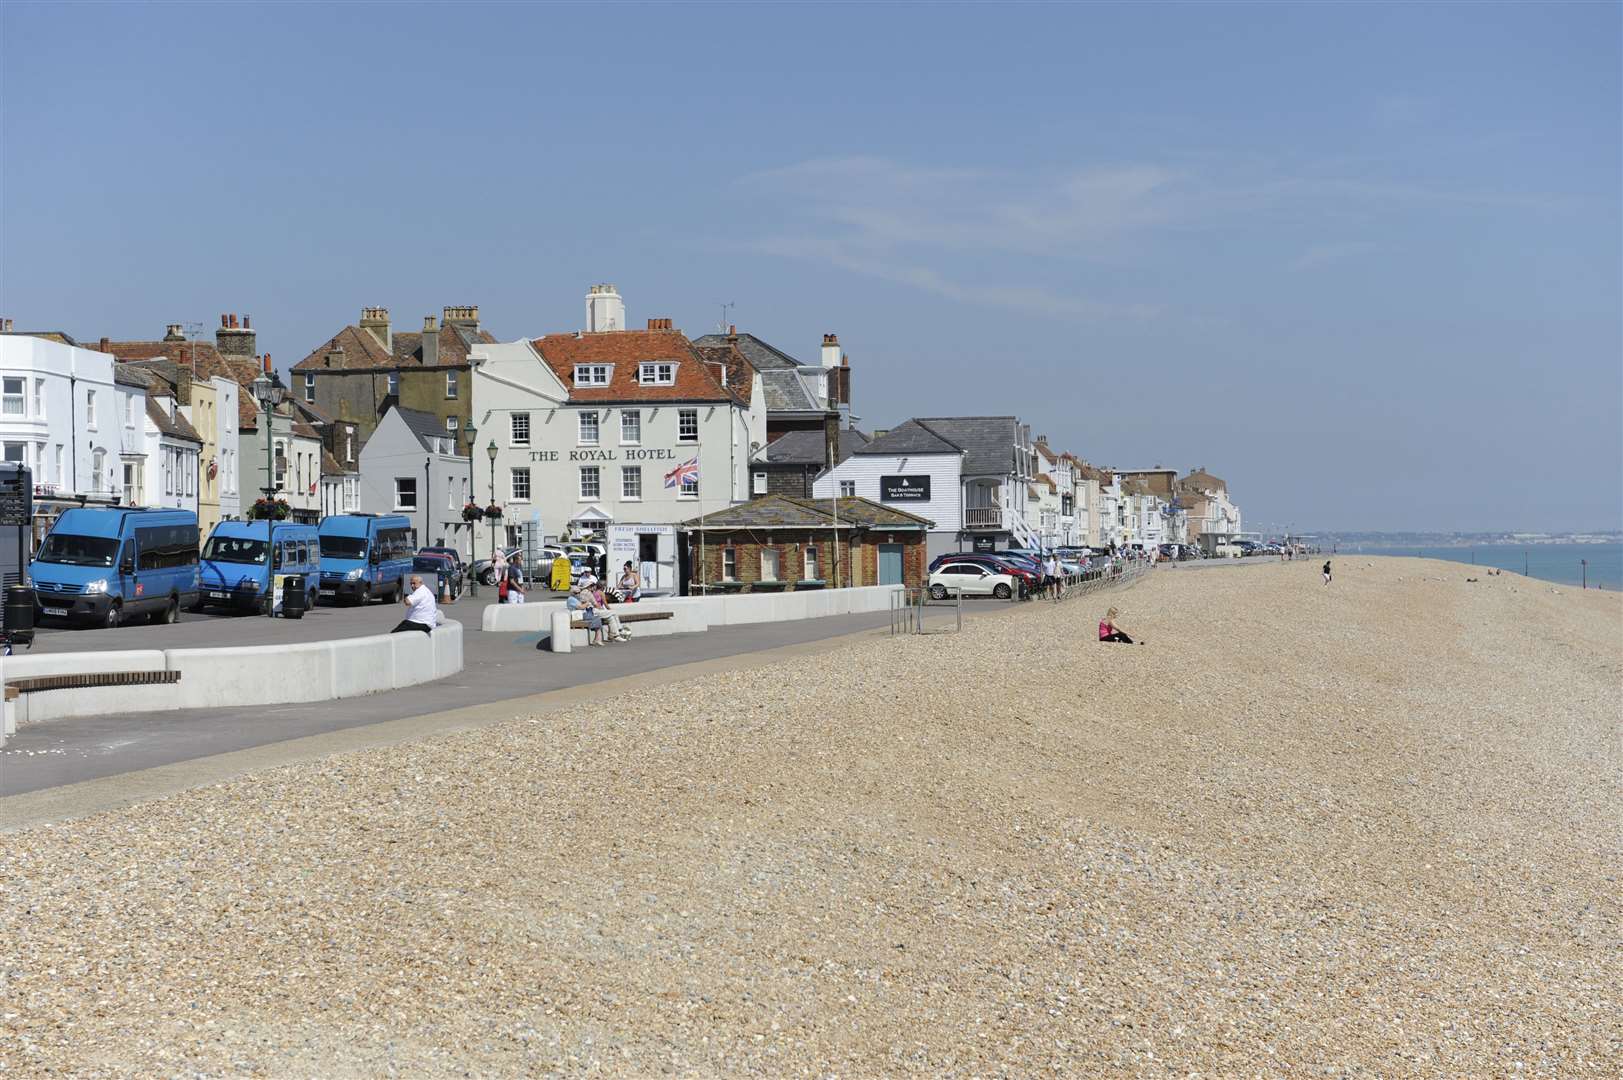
(241, 559)
(365, 556)
(107, 566)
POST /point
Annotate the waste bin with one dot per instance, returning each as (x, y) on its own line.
(294, 599)
(19, 608)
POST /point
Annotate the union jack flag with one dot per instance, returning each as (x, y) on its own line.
(688, 470)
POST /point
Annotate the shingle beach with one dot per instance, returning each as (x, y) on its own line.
(1374, 829)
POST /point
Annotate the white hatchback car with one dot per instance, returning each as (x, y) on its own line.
(970, 579)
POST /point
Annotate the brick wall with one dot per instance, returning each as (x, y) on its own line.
(355, 395)
(863, 552)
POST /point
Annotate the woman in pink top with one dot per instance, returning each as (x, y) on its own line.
(1109, 631)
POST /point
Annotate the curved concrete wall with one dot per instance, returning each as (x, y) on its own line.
(708, 611)
(256, 675)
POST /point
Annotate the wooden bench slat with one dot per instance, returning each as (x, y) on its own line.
(37, 683)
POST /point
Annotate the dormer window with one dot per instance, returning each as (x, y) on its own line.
(657, 374)
(592, 374)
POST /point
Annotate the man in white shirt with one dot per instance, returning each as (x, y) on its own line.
(422, 613)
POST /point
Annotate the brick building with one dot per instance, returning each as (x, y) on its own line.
(367, 368)
(788, 464)
(781, 543)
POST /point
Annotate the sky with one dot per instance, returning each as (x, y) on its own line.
(1364, 262)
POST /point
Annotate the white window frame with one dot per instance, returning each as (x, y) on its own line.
(129, 410)
(682, 417)
(583, 419)
(593, 374)
(90, 412)
(729, 564)
(630, 473)
(518, 476)
(394, 383)
(452, 424)
(309, 386)
(777, 564)
(808, 563)
(451, 386)
(20, 398)
(595, 475)
(39, 399)
(400, 505)
(657, 373)
(758, 482)
(848, 489)
(630, 427)
(684, 490)
(98, 465)
(513, 423)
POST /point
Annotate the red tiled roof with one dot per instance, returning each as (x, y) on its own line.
(241, 369)
(696, 378)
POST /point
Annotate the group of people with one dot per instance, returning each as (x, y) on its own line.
(588, 597)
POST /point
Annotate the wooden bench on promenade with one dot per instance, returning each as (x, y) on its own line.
(34, 684)
(578, 623)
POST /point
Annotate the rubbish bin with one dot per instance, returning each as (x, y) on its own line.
(19, 609)
(294, 599)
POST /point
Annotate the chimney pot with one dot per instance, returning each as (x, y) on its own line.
(732, 331)
(246, 325)
(106, 346)
(225, 321)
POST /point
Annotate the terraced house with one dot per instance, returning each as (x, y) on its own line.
(367, 368)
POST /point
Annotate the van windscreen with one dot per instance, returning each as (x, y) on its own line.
(79, 550)
(237, 549)
(343, 547)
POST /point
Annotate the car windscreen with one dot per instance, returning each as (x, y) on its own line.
(235, 549)
(343, 547)
(76, 550)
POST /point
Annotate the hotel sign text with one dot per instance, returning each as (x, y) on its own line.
(632, 453)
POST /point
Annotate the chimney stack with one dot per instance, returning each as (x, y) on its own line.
(233, 340)
(659, 324)
(431, 340)
(604, 309)
(5, 326)
(173, 332)
(831, 351)
(375, 320)
(465, 317)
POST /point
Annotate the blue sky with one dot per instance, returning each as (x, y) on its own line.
(1362, 261)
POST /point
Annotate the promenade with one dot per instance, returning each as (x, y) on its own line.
(1368, 829)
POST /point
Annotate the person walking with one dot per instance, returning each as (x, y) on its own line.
(422, 613)
(1109, 631)
(1327, 572)
(1056, 574)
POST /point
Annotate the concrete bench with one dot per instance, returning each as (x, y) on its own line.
(564, 628)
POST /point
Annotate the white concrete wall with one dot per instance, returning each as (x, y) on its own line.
(696, 613)
(256, 675)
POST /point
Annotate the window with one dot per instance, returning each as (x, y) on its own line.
(588, 428)
(729, 564)
(519, 424)
(848, 489)
(769, 564)
(405, 493)
(690, 485)
(657, 374)
(518, 485)
(590, 482)
(168, 470)
(90, 411)
(631, 481)
(60, 477)
(309, 386)
(281, 464)
(451, 423)
(39, 399)
(394, 383)
(687, 425)
(130, 494)
(450, 385)
(163, 547)
(15, 399)
(17, 453)
(592, 374)
(760, 483)
(630, 427)
(98, 468)
(349, 445)
(809, 563)
(129, 411)
(39, 460)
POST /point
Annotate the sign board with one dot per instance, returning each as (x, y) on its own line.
(904, 488)
(16, 496)
(985, 543)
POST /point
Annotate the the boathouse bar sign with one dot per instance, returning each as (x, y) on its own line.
(904, 488)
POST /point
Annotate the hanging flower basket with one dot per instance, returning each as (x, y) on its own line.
(270, 510)
(493, 511)
(472, 512)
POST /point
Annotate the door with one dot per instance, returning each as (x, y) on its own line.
(890, 564)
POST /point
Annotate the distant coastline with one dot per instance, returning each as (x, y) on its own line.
(1562, 563)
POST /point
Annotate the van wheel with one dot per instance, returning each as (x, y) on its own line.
(363, 596)
(114, 617)
(171, 612)
(1001, 592)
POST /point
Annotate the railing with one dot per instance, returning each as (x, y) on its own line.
(983, 517)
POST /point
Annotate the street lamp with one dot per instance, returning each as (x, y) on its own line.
(473, 533)
(491, 450)
(269, 393)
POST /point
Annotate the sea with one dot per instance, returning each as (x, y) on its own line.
(1561, 563)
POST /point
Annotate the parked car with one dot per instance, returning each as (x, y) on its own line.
(485, 570)
(242, 559)
(970, 579)
(365, 556)
(444, 567)
(103, 567)
(995, 563)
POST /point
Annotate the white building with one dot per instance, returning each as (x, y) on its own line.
(970, 475)
(410, 466)
(226, 464)
(172, 479)
(63, 416)
(612, 425)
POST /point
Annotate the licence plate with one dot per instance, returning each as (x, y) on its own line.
(330, 592)
(218, 596)
(55, 610)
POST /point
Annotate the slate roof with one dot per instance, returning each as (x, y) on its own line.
(786, 512)
(145, 380)
(783, 387)
(174, 426)
(425, 426)
(242, 370)
(910, 437)
(806, 447)
(740, 375)
(362, 351)
(762, 357)
(696, 379)
(987, 441)
(330, 465)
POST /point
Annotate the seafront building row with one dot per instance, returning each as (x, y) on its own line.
(606, 429)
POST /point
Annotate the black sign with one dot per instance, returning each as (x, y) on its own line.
(984, 543)
(904, 489)
(16, 496)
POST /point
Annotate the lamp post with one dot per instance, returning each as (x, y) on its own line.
(269, 394)
(491, 451)
(473, 533)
